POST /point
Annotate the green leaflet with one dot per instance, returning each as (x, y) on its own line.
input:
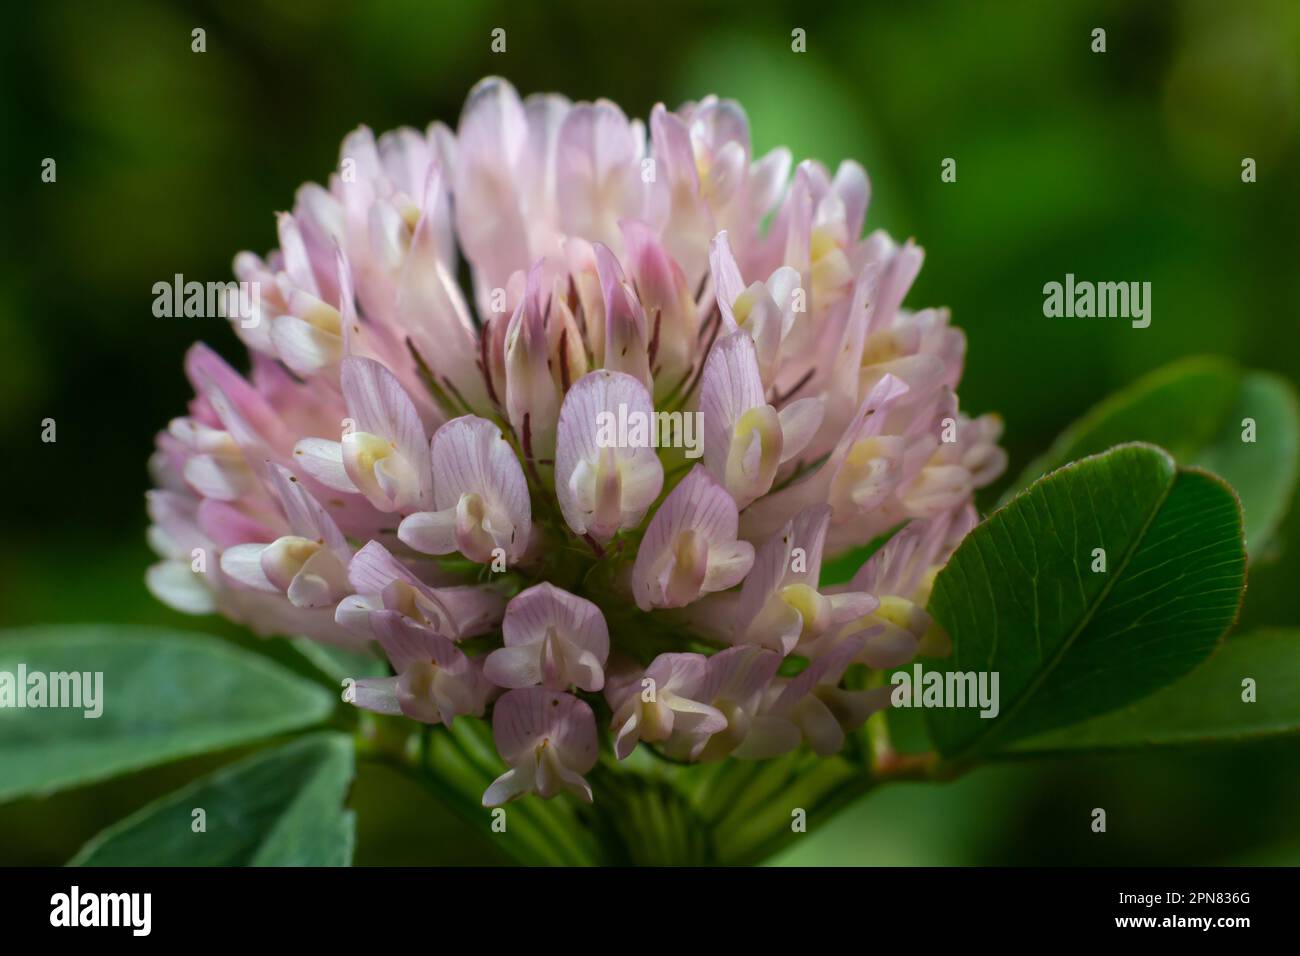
(1209, 705)
(166, 695)
(1020, 596)
(279, 807)
(1195, 409)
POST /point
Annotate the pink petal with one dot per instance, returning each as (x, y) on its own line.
(598, 178)
(641, 473)
(519, 666)
(545, 113)
(303, 347)
(373, 568)
(180, 588)
(626, 338)
(531, 612)
(523, 718)
(768, 737)
(687, 221)
(739, 673)
(820, 728)
(682, 674)
(322, 459)
(799, 423)
(297, 264)
(730, 386)
(377, 694)
(665, 295)
(491, 140)
(306, 516)
(471, 455)
(767, 179)
(379, 405)
(727, 282)
(432, 312)
(854, 190)
(774, 566)
(827, 669)
(243, 411)
(532, 397)
(429, 532)
(701, 505)
(406, 643)
(228, 525)
(243, 563)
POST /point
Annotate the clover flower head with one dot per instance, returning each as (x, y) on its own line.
(502, 486)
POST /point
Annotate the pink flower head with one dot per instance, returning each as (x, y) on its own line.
(496, 484)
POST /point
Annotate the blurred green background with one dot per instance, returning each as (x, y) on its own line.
(1122, 166)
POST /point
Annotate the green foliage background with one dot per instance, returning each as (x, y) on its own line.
(1121, 166)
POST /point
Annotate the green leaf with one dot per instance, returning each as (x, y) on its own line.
(165, 695)
(1264, 471)
(279, 807)
(1206, 706)
(1195, 408)
(1020, 596)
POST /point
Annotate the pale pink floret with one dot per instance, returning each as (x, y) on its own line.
(677, 203)
(663, 701)
(811, 708)
(627, 338)
(480, 496)
(384, 453)
(780, 604)
(900, 576)
(552, 638)
(690, 547)
(435, 681)
(532, 393)
(746, 439)
(598, 177)
(548, 739)
(601, 485)
(863, 469)
(767, 310)
(308, 565)
(382, 583)
(733, 684)
(491, 219)
(672, 316)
